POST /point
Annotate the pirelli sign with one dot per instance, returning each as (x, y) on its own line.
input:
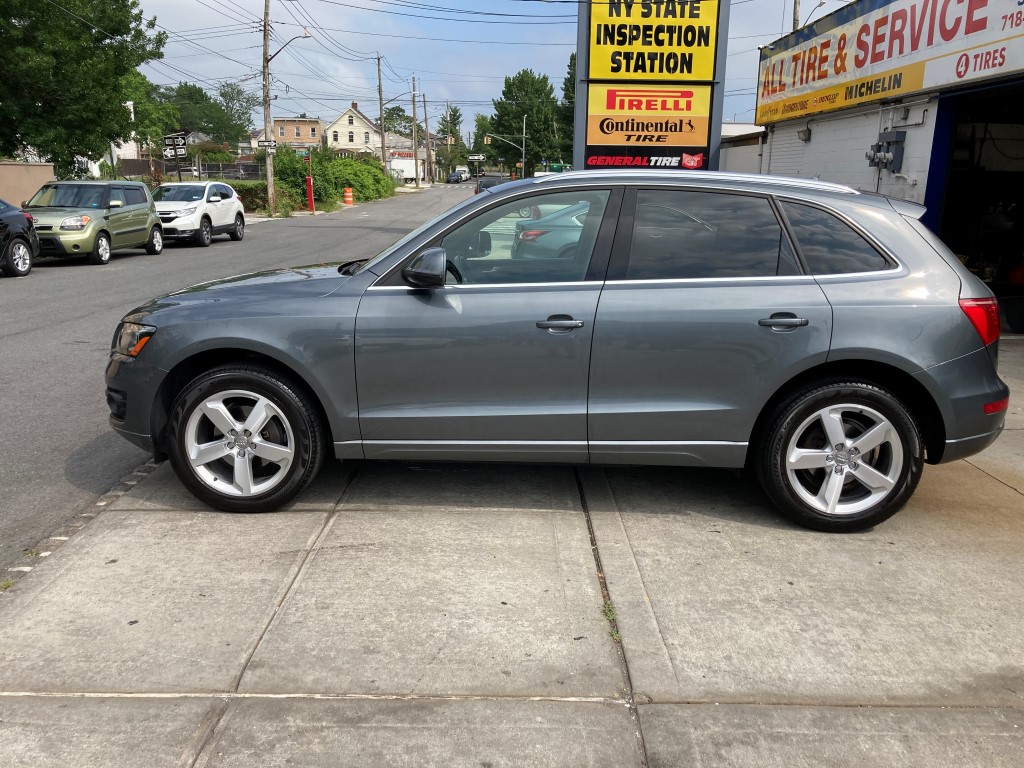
(650, 80)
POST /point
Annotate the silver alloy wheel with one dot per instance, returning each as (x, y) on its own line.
(239, 443)
(21, 257)
(844, 459)
(239, 227)
(103, 249)
(205, 231)
(157, 240)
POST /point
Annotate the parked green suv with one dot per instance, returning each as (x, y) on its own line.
(93, 218)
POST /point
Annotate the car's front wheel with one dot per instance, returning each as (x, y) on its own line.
(841, 457)
(101, 250)
(204, 235)
(17, 261)
(243, 438)
(155, 244)
(238, 232)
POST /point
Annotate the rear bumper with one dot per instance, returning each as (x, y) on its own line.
(968, 446)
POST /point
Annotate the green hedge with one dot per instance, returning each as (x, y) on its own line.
(331, 175)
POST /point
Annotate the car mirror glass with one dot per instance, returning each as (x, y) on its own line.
(115, 204)
(214, 198)
(427, 270)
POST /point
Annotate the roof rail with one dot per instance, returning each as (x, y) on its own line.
(723, 176)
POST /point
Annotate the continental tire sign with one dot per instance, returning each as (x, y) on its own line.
(650, 82)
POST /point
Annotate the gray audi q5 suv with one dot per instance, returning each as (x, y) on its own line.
(824, 338)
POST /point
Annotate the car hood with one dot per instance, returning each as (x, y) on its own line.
(54, 216)
(176, 205)
(262, 288)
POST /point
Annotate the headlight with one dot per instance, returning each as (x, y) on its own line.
(75, 222)
(185, 212)
(131, 338)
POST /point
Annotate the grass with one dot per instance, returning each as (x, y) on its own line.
(6, 584)
(31, 552)
(609, 614)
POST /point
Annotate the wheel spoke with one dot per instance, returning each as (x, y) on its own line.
(832, 422)
(802, 458)
(873, 438)
(201, 455)
(243, 475)
(872, 478)
(261, 413)
(272, 451)
(217, 412)
(828, 495)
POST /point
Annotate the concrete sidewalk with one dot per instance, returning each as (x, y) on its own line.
(478, 615)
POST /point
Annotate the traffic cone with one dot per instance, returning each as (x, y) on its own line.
(349, 197)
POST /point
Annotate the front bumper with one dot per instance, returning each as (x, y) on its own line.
(54, 243)
(132, 397)
(179, 229)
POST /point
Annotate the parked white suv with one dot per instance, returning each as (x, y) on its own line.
(197, 211)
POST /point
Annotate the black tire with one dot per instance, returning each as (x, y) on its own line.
(293, 425)
(238, 231)
(204, 235)
(100, 250)
(155, 244)
(820, 486)
(17, 261)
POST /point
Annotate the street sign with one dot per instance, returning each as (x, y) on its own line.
(169, 153)
(180, 151)
(477, 158)
(266, 143)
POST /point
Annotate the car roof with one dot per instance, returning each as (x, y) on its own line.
(95, 182)
(633, 176)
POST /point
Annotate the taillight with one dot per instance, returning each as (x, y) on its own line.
(29, 217)
(529, 235)
(996, 406)
(984, 316)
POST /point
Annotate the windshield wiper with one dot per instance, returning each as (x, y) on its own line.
(346, 268)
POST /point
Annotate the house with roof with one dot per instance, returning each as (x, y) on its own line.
(354, 132)
(298, 132)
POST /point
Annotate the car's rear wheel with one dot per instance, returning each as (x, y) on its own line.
(204, 235)
(17, 260)
(101, 250)
(841, 457)
(155, 244)
(243, 438)
(239, 229)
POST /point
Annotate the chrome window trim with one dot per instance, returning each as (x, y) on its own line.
(457, 286)
(716, 280)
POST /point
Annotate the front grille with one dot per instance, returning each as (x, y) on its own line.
(44, 227)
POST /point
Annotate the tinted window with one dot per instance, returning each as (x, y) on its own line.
(224, 191)
(117, 193)
(685, 235)
(134, 196)
(178, 193)
(538, 239)
(828, 245)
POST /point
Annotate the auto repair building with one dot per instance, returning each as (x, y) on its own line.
(917, 99)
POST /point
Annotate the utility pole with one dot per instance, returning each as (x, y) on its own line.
(426, 130)
(268, 127)
(415, 148)
(380, 96)
(523, 176)
(796, 14)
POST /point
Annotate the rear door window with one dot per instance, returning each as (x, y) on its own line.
(829, 245)
(688, 234)
(134, 196)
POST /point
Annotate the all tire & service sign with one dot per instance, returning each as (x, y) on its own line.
(649, 83)
(878, 49)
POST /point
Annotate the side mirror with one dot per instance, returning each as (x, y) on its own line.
(214, 199)
(116, 204)
(427, 270)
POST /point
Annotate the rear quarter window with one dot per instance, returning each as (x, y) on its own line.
(829, 245)
(134, 196)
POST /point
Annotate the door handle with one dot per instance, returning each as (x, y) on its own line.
(783, 321)
(560, 324)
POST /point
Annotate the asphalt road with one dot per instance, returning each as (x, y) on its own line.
(57, 452)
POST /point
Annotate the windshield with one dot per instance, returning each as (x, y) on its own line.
(179, 193)
(69, 196)
(414, 234)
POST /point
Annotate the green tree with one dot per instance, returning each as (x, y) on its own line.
(454, 153)
(238, 105)
(532, 96)
(65, 68)
(396, 120)
(565, 121)
(153, 115)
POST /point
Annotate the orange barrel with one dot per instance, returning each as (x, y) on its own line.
(349, 198)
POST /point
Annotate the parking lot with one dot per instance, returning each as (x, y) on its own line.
(483, 615)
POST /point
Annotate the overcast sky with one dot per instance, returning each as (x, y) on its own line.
(458, 50)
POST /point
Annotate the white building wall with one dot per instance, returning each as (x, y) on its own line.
(838, 143)
(739, 159)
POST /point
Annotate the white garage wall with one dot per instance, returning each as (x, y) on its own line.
(839, 142)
